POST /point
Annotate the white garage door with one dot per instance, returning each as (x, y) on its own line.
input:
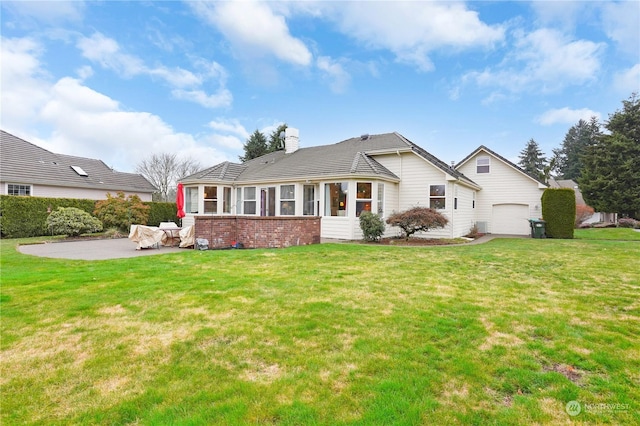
(510, 219)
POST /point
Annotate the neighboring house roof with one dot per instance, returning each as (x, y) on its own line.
(26, 163)
(501, 158)
(568, 183)
(351, 157)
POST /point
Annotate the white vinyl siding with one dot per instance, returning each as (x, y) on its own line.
(503, 185)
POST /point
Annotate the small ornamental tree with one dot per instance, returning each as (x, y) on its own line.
(372, 226)
(72, 221)
(559, 212)
(583, 212)
(417, 219)
(121, 212)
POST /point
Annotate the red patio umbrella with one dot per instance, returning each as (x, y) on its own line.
(180, 201)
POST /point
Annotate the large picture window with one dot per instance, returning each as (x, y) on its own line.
(363, 197)
(14, 189)
(191, 200)
(335, 199)
(437, 199)
(211, 199)
(287, 200)
(483, 164)
(250, 200)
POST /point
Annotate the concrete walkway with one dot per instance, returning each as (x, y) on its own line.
(116, 248)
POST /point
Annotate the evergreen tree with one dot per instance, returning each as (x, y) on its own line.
(568, 158)
(276, 143)
(532, 160)
(255, 146)
(610, 174)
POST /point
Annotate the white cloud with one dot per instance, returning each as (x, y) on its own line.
(47, 11)
(229, 126)
(339, 78)
(412, 30)
(24, 82)
(566, 116)
(543, 61)
(621, 22)
(628, 81)
(85, 122)
(254, 30)
(186, 84)
(220, 99)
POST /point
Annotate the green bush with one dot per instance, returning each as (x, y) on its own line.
(121, 212)
(72, 221)
(372, 226)
(559, 212)
(22, 217)
(161, 212)
(417, 219)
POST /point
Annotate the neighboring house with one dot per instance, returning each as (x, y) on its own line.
(597, 217)
(28, 170)
(509, 196)
(383, 173)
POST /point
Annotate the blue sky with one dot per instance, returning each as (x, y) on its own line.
(119, 80)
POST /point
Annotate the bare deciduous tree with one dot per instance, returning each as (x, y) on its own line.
(164, 170)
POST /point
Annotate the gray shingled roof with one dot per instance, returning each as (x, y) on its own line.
(351, 157)
(24, 162)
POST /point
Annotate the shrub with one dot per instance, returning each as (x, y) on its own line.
(559, 212)
(372, 226)
(121, 212)
(22, 217)
(474, 232)
(161, 212)
(583, 212)
(72, 221)
(417, 219)
(627, 222)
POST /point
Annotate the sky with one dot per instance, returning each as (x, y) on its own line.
(119, 81)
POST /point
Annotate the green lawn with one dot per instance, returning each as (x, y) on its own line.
(506, 332)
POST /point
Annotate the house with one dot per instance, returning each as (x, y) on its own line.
(597, 217)
(509, 196)
(29, 170)
(383, 173)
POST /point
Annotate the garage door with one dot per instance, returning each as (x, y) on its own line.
(510, 219)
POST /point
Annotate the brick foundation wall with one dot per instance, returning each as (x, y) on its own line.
(258, 231)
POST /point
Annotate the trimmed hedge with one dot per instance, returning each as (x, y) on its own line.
(26, 216)
(559, 212)
(162, 212)
(22, 217)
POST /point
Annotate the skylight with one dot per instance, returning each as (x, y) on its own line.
(79, 170)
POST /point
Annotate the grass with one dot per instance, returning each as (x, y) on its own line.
(506, 332)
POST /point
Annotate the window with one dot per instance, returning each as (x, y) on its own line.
(79, 171)
(287, 200)
(308, 200)
(455, 203)
(14, 189)
(335, 199)
(437, 197)
(191, 200)
(381, 199)
(363, 197)
(473, 203)
(211, 199)
(250, 200)
(238, 200)
(483, 164)
(226, 200)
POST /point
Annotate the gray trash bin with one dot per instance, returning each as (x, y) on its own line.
(538, 228)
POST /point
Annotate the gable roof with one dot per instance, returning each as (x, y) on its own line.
(351, 157)
(24, 162)
(501, 158)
